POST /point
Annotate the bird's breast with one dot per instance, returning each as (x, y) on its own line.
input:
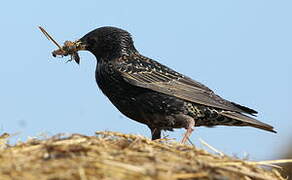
(111, 82)
(141, 104)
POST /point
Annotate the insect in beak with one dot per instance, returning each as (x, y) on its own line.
(69, 48)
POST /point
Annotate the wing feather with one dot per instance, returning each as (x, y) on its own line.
(147, 73)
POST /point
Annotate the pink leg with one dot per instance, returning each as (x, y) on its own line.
(189, 128)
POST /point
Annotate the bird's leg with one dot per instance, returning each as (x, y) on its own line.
(189, 128)
(156, 133)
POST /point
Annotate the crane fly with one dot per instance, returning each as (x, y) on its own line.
(69, 47)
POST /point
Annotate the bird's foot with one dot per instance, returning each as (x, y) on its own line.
(187, 135)
(156, 133)
(190, 125)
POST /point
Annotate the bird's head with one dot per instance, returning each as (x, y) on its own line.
(105, 43)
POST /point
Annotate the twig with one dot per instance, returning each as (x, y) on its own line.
(49, 37)
(211, 147)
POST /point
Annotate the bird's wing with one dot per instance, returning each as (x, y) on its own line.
(144, 72)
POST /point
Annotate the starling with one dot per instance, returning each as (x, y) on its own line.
(151, 93)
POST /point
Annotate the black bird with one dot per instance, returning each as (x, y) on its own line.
(151, 93)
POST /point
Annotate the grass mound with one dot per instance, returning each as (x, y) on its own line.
(110, 155)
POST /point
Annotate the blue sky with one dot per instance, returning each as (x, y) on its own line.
(240, 49)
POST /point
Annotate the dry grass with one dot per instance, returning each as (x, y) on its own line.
(117, 156)
(287, 168)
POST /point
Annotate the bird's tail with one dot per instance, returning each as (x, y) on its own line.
(248, 120)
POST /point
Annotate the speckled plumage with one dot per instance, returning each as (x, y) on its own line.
(153, 94)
